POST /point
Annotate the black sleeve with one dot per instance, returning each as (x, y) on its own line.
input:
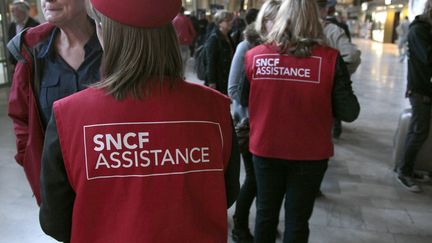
(55, 215)
(345, 104)
(244, 90)
(419, 42)
(211, 55)
(232, 173)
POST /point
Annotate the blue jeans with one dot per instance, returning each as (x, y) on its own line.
(247, 193)
(418, 131)
(299, 182)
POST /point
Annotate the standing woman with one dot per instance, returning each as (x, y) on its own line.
(297, 86)
(254, 34)
(136, 158)
(219, 52)
(55, 59)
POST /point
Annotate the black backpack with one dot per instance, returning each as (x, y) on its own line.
(201, 62)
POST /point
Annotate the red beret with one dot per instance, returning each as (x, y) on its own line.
(139, 13)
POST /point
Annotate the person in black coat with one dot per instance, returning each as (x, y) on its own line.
(20, 12)
(219, 52)
(419, 92)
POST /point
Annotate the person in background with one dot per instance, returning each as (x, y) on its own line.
(331, 17)
(185, 34)
(236, 33)
(202, 28)
(402, 30)
(195, 24)
(254, 34)
(298, 84)
(419, 92)
(337, 38)
(21, 20)
(219, 52)
(55, 59)
(135, 157)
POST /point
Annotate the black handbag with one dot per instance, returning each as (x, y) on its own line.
(242, 131)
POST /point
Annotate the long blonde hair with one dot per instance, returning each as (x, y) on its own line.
(267, 11)
(297, 27)
(135, 59)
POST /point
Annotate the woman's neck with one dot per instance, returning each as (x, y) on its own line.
(76, 33)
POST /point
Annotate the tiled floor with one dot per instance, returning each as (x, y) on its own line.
(362, 201)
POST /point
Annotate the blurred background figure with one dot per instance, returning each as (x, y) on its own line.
(293, 98)
(21, 20)
(202, 28)
(338, 36)
(55, 59)
(219, 52)
(337, 20)
(402, 30)
(236, 33)
(185, 33)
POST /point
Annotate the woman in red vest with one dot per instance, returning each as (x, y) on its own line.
(297, 86)
(136, 158)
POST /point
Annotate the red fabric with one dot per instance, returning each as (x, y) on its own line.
(291, 113)
(146, 201)
(139, 13)
(24, 112)
(185, 30)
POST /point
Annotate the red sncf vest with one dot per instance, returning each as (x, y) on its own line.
(149, 170)
(290, 103)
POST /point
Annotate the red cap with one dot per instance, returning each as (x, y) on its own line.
(139, 13)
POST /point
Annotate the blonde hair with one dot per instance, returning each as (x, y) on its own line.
(297, 27)
(136, 59)
(268, 11)
(222, 15)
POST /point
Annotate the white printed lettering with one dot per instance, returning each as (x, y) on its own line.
(125, 140)
(144, 158)
(96, 140)
(205, 155)
(116, 142)
(184, 157)
(167, 157)
(101, 161)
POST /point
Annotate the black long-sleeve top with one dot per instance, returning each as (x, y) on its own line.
(420, 56)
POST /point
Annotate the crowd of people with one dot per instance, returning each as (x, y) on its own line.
(118, 147)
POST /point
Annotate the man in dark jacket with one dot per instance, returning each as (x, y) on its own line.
(20, 12)
(419, 92)
(219, 52)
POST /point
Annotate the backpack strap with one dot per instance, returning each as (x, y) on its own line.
(14, 46)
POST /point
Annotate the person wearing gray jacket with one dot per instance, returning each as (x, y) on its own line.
(338, 39)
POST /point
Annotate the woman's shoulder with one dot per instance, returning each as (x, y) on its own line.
(201, 90)
(38, 33)
(263, 49)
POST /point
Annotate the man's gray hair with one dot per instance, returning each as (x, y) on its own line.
(22, 4)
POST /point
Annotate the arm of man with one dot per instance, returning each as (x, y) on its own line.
(345, 104)
(55, 214)
(337, 39)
